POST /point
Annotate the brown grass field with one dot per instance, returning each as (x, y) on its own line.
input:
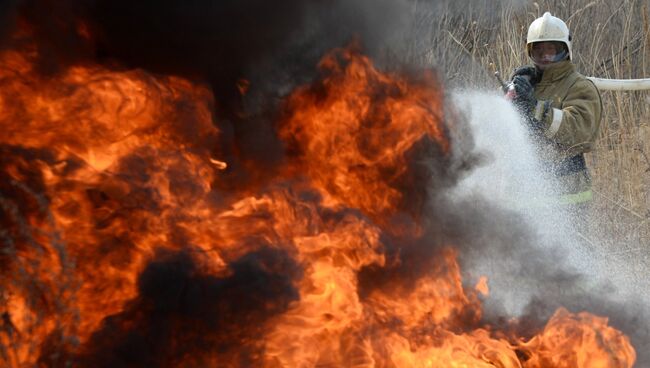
(611, 39)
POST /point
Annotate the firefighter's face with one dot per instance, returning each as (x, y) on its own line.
(547, 53)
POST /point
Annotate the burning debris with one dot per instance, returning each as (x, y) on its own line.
(124, 241)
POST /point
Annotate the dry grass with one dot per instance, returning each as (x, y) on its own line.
(611, 40)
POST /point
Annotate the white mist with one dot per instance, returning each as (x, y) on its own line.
(512, 178)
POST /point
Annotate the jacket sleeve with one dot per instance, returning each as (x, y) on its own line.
(575, 126)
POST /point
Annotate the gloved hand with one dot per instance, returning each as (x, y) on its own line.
(524, 99)
(527, 71)
(526, 102)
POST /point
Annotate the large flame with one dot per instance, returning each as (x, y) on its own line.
(117, 249)
(355, 127)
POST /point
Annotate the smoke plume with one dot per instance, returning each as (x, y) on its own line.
(250, 55)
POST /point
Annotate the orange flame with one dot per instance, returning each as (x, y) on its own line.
(78, 128)
(579, 340)
(108, 168)
(355, 128)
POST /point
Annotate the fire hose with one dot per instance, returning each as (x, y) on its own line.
(604, 84)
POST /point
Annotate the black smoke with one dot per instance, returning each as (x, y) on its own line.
(271, 45)
(185, 316)
(274, 46)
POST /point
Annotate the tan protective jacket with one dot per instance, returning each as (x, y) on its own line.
(571, 125)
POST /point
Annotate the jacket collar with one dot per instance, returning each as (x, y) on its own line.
(558, 71)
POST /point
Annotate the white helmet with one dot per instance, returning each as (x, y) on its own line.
(548, 28)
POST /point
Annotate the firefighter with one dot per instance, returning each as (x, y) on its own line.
(562, 108)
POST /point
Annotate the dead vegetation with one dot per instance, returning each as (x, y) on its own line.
(466, 41)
